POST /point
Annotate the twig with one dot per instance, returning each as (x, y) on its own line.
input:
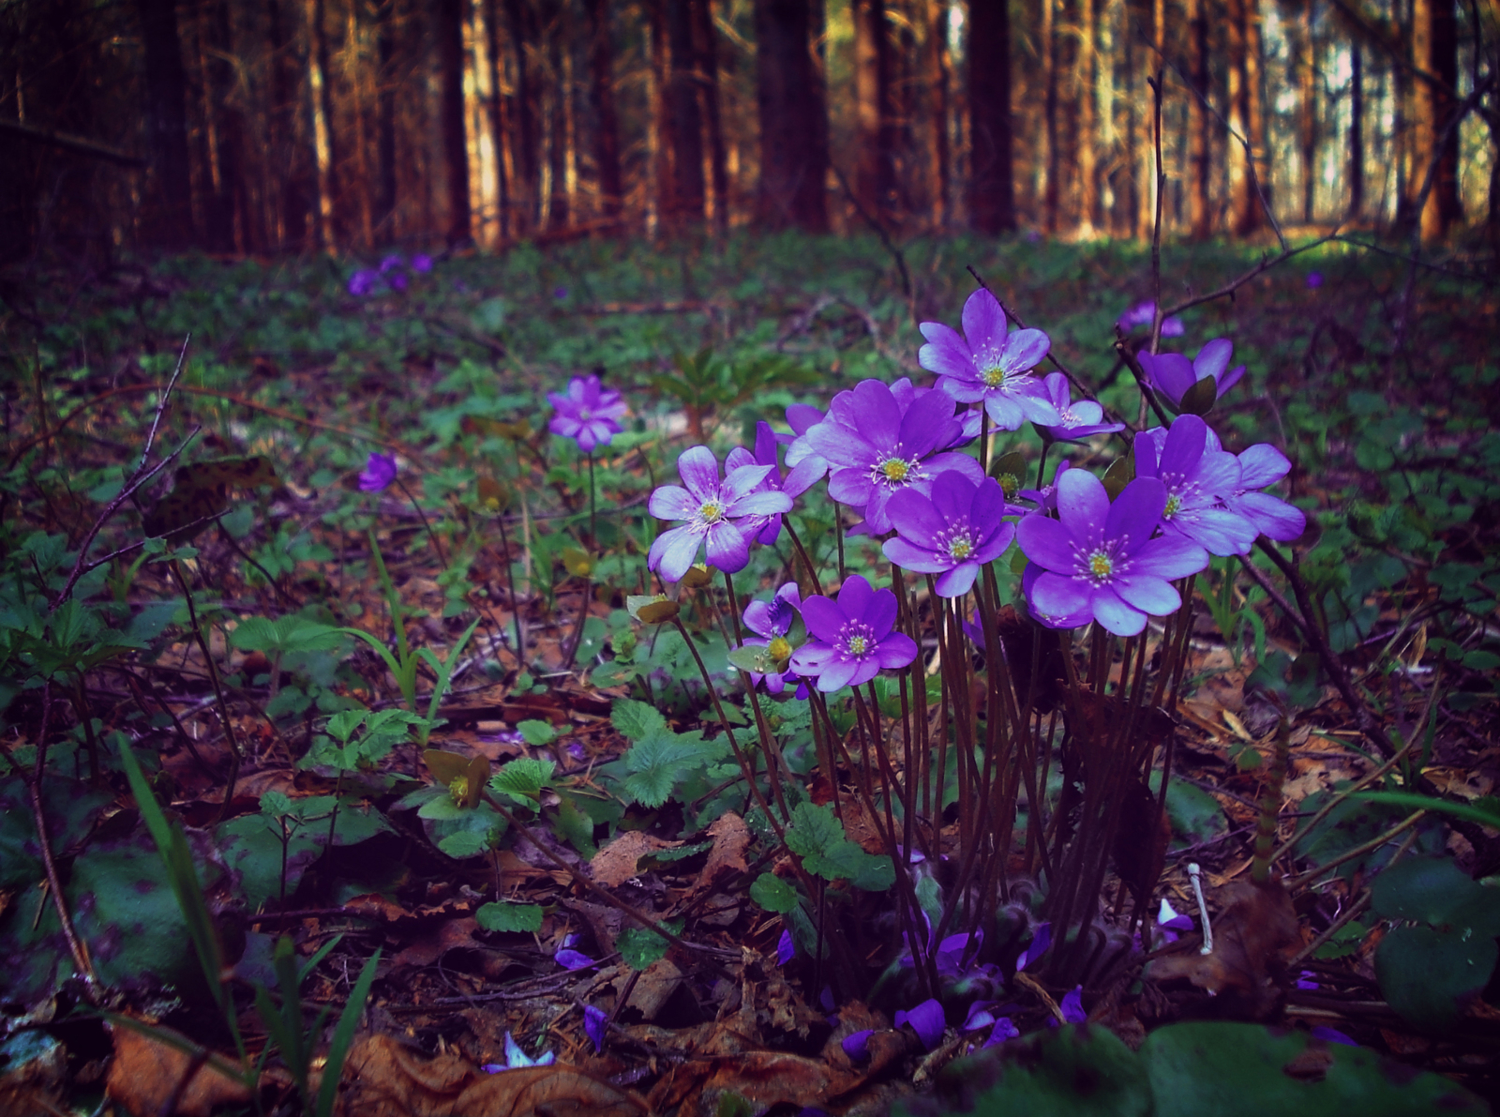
(1358, 851)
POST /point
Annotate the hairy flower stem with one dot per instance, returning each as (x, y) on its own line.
(807, 563)
(515, 606)
(593, 525)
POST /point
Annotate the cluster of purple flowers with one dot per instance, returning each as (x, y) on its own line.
(394, 273)
(895, 454)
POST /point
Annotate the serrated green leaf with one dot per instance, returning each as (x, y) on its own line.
(640, 947)
(814, 830)
(773, 893)
(636, 719)
(650, 788)
(509, 917)
(535, 732)
(466, 843)
(523, 779)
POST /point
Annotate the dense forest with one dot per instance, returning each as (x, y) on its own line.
(342, 125)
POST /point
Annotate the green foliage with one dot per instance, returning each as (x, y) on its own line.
(818, 838)
(509, 917)
(659, 760)
(640, 947)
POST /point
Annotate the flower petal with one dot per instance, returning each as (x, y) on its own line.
(1116, 616)
(1170, 556)
(728, 549)
(855, 596)
(1054, 595)
(1082, 503)
(673, 552)
(958, 581)
(699, 470)
(896, 650)
(673, 502)
(984, 325)
(1135, 512)
(1048, 543)
(1148, 594)
(823, 618)
(1262, 465)
(910, 557)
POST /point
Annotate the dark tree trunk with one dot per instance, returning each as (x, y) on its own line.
(331, 200)
(1445, 68)
(705, 46)
(385, 120)
(793, 124)
(602, 101)
(1052, 49)
(992, 192)
(522, 25)
(1307, 81)
(450, 35)
(169, 211)
(875, 176)
(938, 85)
(1200, 125)
(227, 220)
(1356, 133)
(683, 202)
(559, 207)
(292, 171)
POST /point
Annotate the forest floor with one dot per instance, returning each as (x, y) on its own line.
(492, 582)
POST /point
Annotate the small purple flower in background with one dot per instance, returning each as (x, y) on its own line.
(1169, 923)
(988, 364)
(1080, 421)
(595, 1022)
(421, 263)
(1041, 939)
(391, 263)
(589, 413)
(515, 1058)
(1307, 980)
(926, 1019)
(879, 439)
(362, 282)
(1332, 1035)
(852, 637)
(378, 473)
(1171, 375)
(573, 959)
(712, 509)
(771, 621)
(786, 950)
(1198, 477)
(1072, 1006)
(1143, 314)
(857, 1044)
(397, 280)
(1045, 498)
(803, 476)
(1314, 280)
(1004, 1029)
(559, 293)
(952, 533)
(1099, 560)
(1261, 466)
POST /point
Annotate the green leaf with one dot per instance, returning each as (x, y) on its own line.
(535, 732)
(640, 947)
(509, 917)
(636, 719)
(523, 779)
(813, 829)
(773, 893)
(465, 843)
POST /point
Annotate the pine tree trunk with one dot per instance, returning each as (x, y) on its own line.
(1445, 108)
(793, 128)
(874, 180)
(450, 35)
(325, 138)
(169, 213)
(992, 192)
(1200, 125)
(684, 124)
(1088, 119)
(938, 86)
(1356, 133)
(705, 47)
(602, 101)
(1051, 196)
(521, 23)
(1307, 82)
(1244, 115)
(385, 121)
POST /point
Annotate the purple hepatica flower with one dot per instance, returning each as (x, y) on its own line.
(1332, 1035)
(1261, 466)
(362, 282)
(391, 263)
(378, 473)
(926, 1019)
(1307, 980)
(1080, 420)
(421, 263)
(803, 476)
(1045, 498)
(1143, 314)
(1072, 1006)
(1198, 478)
(515, 1058)
(1098, 559)
(559, 293)
(1170, 374)
(857, 1044)
(986, 363)
(771, 621)
(595, 1025)
(952, 533)
(1314, 280)
(851, 638)
(712, 509)
(786, 949)
(880, 439)
(573, 959)
(1004, 1029)
(397, 280)
(1040, 941)
(589, 413)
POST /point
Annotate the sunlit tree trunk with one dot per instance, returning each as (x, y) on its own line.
(1086, 81)
(1356, 133)
(385, 121)
(325, 139)
(1307, 122)
(874, 176)
(793, 130)
(169, 221)
(992, 191)
(1050, 51)
(497, 114)
(450, 36)
(937, 83)
(706, 48)
(521, 23)
(1244, 116)
(1200, 124)
(602, 101)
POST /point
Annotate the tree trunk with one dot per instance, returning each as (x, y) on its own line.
(1200, 125)
(1307, 82)
(1088, 119)
(227, 220)
(1356, 133)
(937, 84)
(325, 138)
(789, 104)
(385, 121)
(874, 175)
(1444, 66)
(1051, 197)
(559, 138)
(521, 22)
(1244, 115)
(705, 47)
(496, 109)
(992, 192)
(169, 210)
(450, 35)
(602, 101)
(684, 201)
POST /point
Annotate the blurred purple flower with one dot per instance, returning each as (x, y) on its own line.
(712, 509)
(595, 1022)
(1072, 1006)
(801, 478)
(589, 413)
(1099, 560)
(851, 637)
(1171, 375)
(573, 959)
(786, 950)
(421, 263)
(1168, 918)
(1314, 280)
(926, 1019)
(378, 473)
(1307, 980)
(952, 532)
(559, 293)
(362, 282)
(1332, 1035)
(988, 364)
(1143, 313)
(515, 1058)
(1080, 420)
(771, 621)
(1041, 939)
(397, 280)
(1004, 1029)
(391, 263)
(1198, 477)
(857, 1044)
(880, 439)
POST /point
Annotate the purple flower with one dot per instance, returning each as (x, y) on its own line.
(1261, 466)
(712, 509)
(362, 282)
(879, 439)
(857, 1044)
(786, 950)
(589, 413)
(595, 1022)
(926, 1019)
(1045, 498)
(559, 293)
(1004, 1029)
(852, 637)
(378, 473)
(1098, 559)
(421, 263)
(771, 621)
(953, 532)
(1040, 941)
(391, 263)
(573, 959)
(1072, 1006)
(1170, 374)
(1314, 280)
(1332, 1035)
(1307, 980)
(1197, 477)
(986, 363)
(1168, 919)
(1080, 420)
(802, 477)
(1143, 314)
(397, 280)
(515, 1058)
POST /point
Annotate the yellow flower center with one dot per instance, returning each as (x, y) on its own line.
(1010, 484)
(960, 549)
(1101, 565)
(993, 377)
(458, 790)
(711, 512)
(1174, 502)
(895, 470)
(779, 649)
(858, 645)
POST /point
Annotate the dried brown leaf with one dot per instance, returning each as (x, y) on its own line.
(146, 1072)
(616, 863)
(731, 838)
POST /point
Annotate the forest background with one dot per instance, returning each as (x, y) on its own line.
(341, 125)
